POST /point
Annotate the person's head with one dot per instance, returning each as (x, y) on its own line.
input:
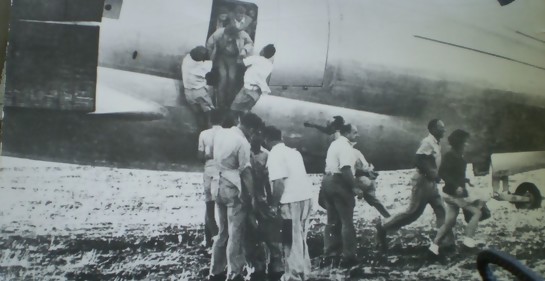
(252, 13)
(338, 122)
(268, 51)
(257, 140)
(199, 53)
(231, 31)
(250, 124)
(240, 12)
(350, 132)
(229, 120)
(223, 13)
(436, 127)
(271, 136)
(458, 139)
(216, 117)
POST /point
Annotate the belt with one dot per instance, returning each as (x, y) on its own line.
(333, 174)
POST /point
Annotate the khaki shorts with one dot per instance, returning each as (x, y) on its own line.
(200, 98)
(246, 99)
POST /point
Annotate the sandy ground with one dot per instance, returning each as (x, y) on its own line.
(71, 222)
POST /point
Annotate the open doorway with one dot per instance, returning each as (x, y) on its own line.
(228, 69)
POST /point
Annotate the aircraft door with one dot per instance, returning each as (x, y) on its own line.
(52, 54)
(302, 43)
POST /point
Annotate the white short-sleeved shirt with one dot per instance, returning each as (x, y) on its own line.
(206, 144)
(259, 68)
(231, 154)
(430, 146)
(194, 72)
(340, 154)
(286, 162)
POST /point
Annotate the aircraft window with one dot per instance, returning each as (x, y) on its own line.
(228, 11)
(112, 9)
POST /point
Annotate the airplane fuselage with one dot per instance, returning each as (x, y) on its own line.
(335, 58)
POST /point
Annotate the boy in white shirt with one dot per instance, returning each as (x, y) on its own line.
(195, 66)
(365, 184)
(255, 80)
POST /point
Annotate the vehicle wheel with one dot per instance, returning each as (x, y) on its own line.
(529, 190)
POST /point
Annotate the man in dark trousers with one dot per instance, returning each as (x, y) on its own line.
(263, 241)
(338, 195)
(227, 47)
(424, 181)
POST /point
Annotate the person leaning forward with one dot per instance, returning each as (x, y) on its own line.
(232, 190)
(263, 243)
(255, 80)
(337, 187)
(424, 191)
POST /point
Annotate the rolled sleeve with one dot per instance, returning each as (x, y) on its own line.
(426, 148)
(244, 157)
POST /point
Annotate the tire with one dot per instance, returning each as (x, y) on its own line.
(530, 190)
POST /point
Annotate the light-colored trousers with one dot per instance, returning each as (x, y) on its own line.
(228, 248)
(296, 257)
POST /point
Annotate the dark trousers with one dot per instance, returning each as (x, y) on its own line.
(227, 84)
(424, 192)
(262, 247)
(210, 226)
(340, 234)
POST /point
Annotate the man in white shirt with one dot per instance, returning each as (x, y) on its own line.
(424, 191)
(205, 154)
(255, 80)
(232, 194)
(195, 66)
(291, 189)
(337, 188)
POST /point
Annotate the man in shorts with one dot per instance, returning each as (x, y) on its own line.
(255, 80)
(195, 66)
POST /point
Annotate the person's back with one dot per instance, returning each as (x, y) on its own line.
(206, 145)
(453, 172)
(259, 68)
(339, 154)
(194, 72)
(298, 185)
(227, 147)
(255, 80)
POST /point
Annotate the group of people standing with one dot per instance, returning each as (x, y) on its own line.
(261, 193)
(258, 194)
(259, 189)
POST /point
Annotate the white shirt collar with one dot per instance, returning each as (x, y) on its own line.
(432, 137)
